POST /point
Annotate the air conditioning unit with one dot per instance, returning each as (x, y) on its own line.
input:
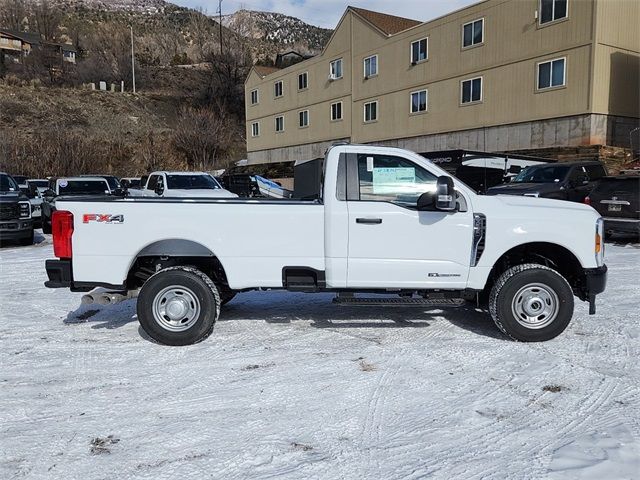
(332, 77)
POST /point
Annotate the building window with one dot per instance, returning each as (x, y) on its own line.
(335, 69)
(471, 90)
(255, 129)
(473, 33)
(371, 112)
(419, 51)
(279, 89)
(303, 118)
(254, 97)
(336, 111)
(279, 124)
(371, 66)
(551, 74)
(419, 101)
(552, 10)
(303, 81)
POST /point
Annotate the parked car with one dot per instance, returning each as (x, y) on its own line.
(389, 222)
(70, 187)
(617, 199)
(183, 185)
(39, 184)
(15, 212)
(563, 181)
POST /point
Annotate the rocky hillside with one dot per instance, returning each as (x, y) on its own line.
(278, 28)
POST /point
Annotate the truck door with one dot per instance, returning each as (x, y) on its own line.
(391, 243)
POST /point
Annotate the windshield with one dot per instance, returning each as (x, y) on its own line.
(192, 182)
(8, 184)
(21, 179)
(542, 174)
(84, 187)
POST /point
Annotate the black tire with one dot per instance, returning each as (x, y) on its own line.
(554, 293)
(46, 226)
(199, 290)
(27, 241)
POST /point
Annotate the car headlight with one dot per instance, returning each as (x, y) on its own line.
(25, 209)
(599, 242)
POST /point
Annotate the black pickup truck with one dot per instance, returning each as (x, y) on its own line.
(15, 213)
(562, 181)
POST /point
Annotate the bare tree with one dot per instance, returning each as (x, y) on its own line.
(201, 29)
(203, 136)
(13, 13)
(47, 19)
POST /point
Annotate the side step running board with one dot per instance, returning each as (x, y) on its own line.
(398, 302)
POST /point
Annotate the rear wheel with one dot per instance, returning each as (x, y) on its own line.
(178, 306)
(531, 303)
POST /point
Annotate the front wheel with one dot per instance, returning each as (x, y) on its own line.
(531, 303)
(178, 306)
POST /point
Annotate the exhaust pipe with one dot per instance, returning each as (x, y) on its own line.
(102, 296)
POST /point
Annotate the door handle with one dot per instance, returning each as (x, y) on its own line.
(369, 221)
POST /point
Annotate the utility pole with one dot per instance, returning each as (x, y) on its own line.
(133, 62)
(220, 22)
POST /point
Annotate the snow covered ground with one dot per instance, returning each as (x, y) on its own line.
(290, 386)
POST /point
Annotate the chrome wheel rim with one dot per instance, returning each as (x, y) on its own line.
(176, 308)
(535, 306)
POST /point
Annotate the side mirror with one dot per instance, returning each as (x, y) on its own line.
(125, 183)
(445, 194)
(427, 202)
(49, 193)
(159, 189)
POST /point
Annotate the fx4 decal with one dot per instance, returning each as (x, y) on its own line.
(102, 218)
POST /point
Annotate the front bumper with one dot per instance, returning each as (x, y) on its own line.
(16, 229)
(594, 282)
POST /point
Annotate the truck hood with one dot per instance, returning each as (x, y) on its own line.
(204, 193)
(539, 203)
(524, 188)
(11, 197)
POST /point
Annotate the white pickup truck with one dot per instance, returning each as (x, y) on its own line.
(182, 185)
(387, 222)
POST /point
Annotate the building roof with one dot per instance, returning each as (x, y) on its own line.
(264, 71)
(388, 24)
(32, 38)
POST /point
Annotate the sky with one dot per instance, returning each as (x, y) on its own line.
(327, 13)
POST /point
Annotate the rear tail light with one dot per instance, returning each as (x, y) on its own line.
(62, 230)
(587, 201)
(599, 242)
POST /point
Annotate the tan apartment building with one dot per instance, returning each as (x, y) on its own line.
(499, 75)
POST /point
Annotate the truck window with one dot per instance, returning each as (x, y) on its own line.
(153, 182)
(7, 184)
(385, 178)
(595, 172)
